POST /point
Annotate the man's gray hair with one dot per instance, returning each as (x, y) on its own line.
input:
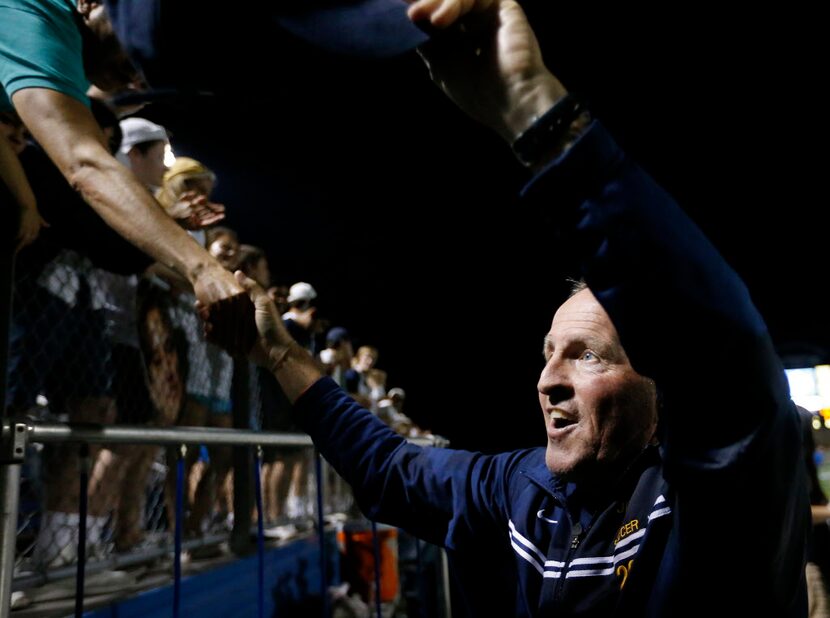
(577, 285)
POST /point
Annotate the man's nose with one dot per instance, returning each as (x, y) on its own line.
(555, 382)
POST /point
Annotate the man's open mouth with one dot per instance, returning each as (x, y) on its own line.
(560, 420)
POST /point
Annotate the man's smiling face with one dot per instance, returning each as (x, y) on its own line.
(599, 413)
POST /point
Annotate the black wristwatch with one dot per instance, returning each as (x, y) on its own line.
(548, 131)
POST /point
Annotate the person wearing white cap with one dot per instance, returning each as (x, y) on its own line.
(300, 315)
(142, 150)
(299, 321)
(301, 291)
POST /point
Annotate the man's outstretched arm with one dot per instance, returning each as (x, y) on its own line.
(70, 136)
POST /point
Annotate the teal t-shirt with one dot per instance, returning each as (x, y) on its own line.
(40, 47)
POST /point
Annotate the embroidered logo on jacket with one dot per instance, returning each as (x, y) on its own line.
(623, 571)
(626, 529)
(540, 514)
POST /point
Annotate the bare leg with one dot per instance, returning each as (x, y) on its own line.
(61, 480)
(210, 484)
(273, 475)
(194, 414)
(135, 463)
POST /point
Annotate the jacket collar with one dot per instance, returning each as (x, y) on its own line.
(537, 472)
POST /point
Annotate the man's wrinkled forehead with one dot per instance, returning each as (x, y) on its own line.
(581, 309)
(583, 319)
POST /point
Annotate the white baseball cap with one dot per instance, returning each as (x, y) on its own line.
(140, 130)
(301, 291)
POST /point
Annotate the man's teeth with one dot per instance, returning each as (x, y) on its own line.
(560, 419)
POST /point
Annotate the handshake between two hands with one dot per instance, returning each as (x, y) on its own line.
(245, 324)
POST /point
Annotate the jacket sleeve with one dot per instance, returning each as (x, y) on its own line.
(440, 495)
(729, 433)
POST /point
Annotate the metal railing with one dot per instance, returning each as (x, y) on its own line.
(17, 434)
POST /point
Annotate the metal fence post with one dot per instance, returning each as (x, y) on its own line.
(243, 482)
(445, 578)
(9, 463)
(12, 449)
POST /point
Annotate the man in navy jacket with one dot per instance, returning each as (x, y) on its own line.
(672, 480)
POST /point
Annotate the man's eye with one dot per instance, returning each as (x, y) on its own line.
(588, 355)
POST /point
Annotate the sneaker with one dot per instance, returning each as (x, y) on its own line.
(19, 600)
(335, 518)
(281, 533)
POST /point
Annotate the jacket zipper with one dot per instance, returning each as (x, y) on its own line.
(576, 531)
(577, 534)
(576, 539)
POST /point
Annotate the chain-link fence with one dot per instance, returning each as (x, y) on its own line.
(93, 347)
(90, 346)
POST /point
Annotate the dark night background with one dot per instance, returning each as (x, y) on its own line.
(360, 177)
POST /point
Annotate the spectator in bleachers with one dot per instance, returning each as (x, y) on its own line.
(223, 244)
(286, 479)
(279, 294)
(185, 195)
(164, 353)
(364, 380)
(59, 345)
(254, 264)
(337, 355)
(390, 411)
(272, 411)
(210, 369)
(299, 319)
(142, 149)
(59, 351)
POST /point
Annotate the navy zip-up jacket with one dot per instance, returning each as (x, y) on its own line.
(714, 520)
